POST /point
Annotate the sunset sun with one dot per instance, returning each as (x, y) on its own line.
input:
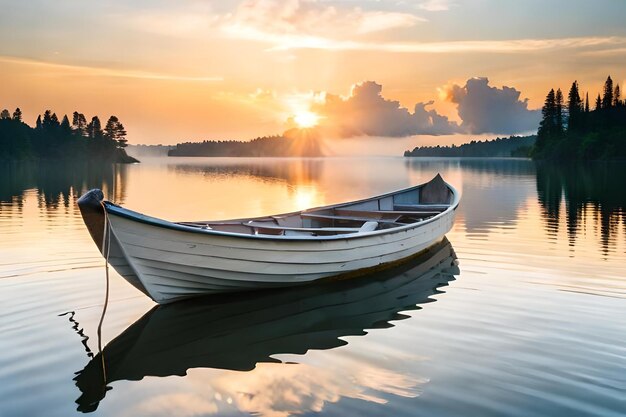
(305, 119)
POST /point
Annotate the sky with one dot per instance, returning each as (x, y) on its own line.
(191, 70)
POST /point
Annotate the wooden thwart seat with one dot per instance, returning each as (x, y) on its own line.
(259, 225)
(380, 214)
(348, 218)
(421, 207)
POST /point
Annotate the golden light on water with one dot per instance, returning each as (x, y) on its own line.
(306, 119)
(305, 197)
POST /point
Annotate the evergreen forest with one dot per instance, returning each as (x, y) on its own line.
(571, 130)
(53, 139)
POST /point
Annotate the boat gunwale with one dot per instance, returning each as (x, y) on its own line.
(116, 210)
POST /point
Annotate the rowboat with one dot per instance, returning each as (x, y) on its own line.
(169, 261)
(239, 330)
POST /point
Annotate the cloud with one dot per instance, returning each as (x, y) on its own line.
(482, 109)
(107, 72)
(273, 19)
(272, 390)
(179, 404)
(366, 113)
(263, 94)
(510, 46)
(316, 24)
(435, 5)
(486, 109)
(301, 24)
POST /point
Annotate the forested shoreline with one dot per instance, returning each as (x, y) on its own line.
(513, 146)
(294, 142)
(54, 139)
(570, 130)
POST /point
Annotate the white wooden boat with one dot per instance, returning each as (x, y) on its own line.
(169, 261)
(237, 331)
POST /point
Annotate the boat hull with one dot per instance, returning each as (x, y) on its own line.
(171, 263)
(238, 331)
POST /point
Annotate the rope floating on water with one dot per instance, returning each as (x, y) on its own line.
(79, 330)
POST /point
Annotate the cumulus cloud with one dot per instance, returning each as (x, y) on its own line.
(482, 109)
(486, 109)
(365, 112)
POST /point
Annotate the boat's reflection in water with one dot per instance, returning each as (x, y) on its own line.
(238, 331)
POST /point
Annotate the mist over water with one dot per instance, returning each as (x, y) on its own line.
(530, 322)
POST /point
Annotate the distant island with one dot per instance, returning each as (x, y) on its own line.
(294, 142)
(571, 131)
(514, 146)
(52, 139)
(149, 150)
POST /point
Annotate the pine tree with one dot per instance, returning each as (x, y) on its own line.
(65, 124)
(607, 99)
(598, 102)
(109, 129)
(94, 128)
(574, 106)
(559, 111)
(47, 119)
(114, 130)
(54, 120)
(547, 124)
(121, 136)
(79, 123)
(75, 117)
(587, 102)
(39, 124)
(617, 99)
(5, 115)
(17, 115)
(50, 120)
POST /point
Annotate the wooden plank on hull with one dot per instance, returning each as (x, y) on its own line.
(138, 234)
(175, 243)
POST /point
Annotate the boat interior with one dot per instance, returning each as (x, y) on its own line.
(392, 210)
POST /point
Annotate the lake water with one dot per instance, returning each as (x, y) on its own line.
(532, 321)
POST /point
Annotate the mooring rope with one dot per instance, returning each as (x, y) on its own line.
(79, 330)
(106, 246)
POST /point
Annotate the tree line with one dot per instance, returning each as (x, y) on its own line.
(570, 129)
(52, 138)
(498, 147)
(291, 143)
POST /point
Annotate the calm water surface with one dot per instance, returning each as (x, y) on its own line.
(532, 321)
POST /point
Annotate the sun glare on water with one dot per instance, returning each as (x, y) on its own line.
(306, 119)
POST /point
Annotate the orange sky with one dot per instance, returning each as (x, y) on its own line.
(194, 70)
